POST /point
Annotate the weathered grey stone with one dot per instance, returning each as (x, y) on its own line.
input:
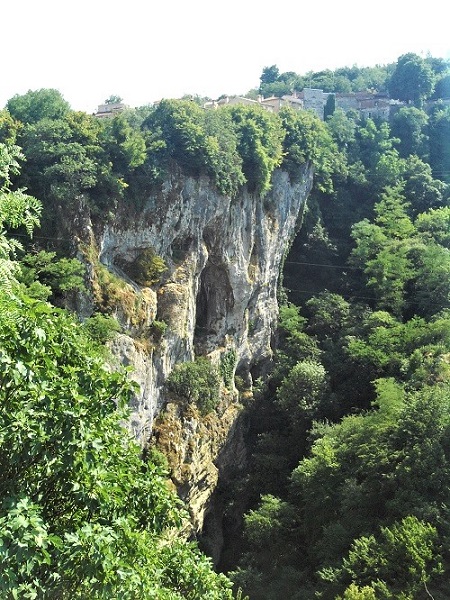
(224, 257)
(219, 294)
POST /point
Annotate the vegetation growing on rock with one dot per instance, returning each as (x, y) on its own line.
(346, 492)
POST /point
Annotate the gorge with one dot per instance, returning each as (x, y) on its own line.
(217, 297)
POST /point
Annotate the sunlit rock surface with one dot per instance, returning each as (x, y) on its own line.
(218, 294)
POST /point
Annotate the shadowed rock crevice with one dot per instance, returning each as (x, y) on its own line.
(215, 300)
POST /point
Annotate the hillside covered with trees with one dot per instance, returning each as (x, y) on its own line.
(348, 486)
(412, 78)
(345, 493)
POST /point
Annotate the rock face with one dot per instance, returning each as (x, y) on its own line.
(218, 295)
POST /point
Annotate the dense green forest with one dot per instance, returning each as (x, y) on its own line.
(410, 78)
(346, 494)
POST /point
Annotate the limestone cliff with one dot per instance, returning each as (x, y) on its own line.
(218, 296)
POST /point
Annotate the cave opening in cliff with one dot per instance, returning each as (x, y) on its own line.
(214, 300)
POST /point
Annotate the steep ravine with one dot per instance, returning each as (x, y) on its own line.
(218, 297)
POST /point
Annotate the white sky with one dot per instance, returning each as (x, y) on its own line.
(144, 50)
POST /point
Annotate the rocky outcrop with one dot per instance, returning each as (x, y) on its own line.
(217, 295)
(197, 449)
